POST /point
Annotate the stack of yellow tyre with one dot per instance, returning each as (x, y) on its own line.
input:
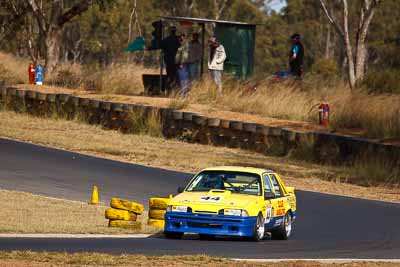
(157, 208)
(123, 213)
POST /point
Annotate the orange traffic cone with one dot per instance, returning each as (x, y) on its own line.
(95, 196)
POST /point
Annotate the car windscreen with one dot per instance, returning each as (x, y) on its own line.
(236, 182)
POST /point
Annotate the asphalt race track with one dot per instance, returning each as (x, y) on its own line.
(326, 227)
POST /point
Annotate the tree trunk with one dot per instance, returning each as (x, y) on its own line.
(366, 14)
(356, 67)
(347, 45)
(53, 46)
(361, 57)
(328, 44)
(51, 27)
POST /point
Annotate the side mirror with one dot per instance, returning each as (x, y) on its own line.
(290, 189)
(180, 189)
(269, 195)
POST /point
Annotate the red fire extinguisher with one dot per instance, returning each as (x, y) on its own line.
(323, 111)
(31, 73)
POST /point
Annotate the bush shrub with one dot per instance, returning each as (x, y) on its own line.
(325, 68)
(386, 81)
(68, 78)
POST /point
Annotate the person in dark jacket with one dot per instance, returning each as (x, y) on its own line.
(296, 56)
(170, 46)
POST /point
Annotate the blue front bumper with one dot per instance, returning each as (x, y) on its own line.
(212, 224)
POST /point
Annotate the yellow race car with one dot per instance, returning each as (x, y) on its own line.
(232, 201)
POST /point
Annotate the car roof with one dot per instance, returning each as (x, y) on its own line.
(239, 169)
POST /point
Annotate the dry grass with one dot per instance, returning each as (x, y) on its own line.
(378, 115)
(46, 259)
(115, 79)
(152, 151)
(118, 79)
(178, 103)
(29, 213)
(375, 116)
(13, 69)
(148, 125)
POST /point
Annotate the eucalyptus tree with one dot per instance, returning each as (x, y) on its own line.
(356, 52)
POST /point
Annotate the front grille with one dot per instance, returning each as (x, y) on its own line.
(204, 225)
(204, 211)
(202, 217)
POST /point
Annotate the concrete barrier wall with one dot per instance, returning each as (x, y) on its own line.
(196, 128)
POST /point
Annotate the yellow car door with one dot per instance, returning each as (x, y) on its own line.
(279, 203)
(279, 212)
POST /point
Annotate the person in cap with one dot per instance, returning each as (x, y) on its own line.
(170, 46)
(195, 55)
(296, 56)
(216, 59)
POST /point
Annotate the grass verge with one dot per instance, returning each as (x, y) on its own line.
(29, 213)
(376, 116)
(176, 155)
(46, 259)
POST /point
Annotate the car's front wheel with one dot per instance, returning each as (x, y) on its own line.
(173, 235)
(284, 230)
(259, 229)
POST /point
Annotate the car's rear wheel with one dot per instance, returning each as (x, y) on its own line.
(284, 230)
(259, 229)
(173, 235)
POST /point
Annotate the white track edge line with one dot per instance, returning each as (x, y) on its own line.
(333, 260)
(72, 236)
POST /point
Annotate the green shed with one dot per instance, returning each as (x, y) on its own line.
(239, 42)
(238, 39)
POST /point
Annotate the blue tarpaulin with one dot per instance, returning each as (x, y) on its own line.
(136, 45)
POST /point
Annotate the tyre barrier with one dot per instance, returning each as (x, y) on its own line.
(158, 203)
(192, 127)
(126, 205)
(157, 214)
(157, 209)
(156, 223)
(123, 214)
(125, 224)
(115, 214)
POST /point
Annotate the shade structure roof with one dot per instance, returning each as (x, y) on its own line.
(200, 20)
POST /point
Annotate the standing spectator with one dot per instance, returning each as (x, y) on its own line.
(216, 60)
(296, 57)
(195, 55)
(181, 59)
(170, 46)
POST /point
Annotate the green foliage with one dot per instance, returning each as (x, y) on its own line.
(325, 68)
(371, 171)
(385, 81)
(148, 124)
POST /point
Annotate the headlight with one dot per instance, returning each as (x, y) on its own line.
(169, 208)
(236, 212)
(179, 208)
